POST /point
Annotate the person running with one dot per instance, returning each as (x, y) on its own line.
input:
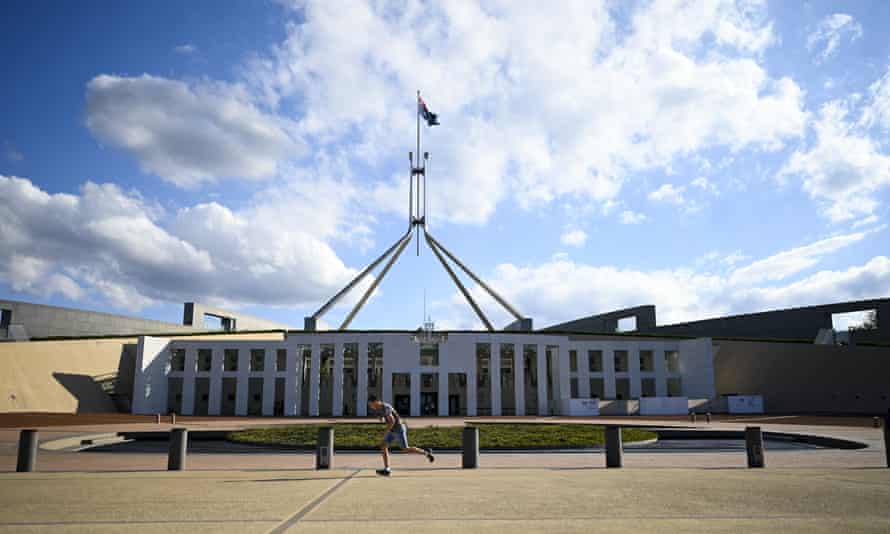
(395, 434)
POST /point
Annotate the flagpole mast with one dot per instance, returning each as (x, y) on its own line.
(413, 174)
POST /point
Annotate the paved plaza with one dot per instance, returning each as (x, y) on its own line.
(801, 490)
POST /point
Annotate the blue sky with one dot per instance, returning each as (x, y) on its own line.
(709, 158)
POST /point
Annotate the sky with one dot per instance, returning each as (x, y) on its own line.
(709, 158)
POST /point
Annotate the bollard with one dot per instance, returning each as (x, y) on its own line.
(470, 447)
(27, 451)
(887, 438)
(754, 446)
(157, 418)
(614, 450)
(179, 442)
(691, 417)
(324, 450)
(876, 422)
(172, 418)
(708, 417)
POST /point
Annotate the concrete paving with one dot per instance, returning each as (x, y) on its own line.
(448, 500)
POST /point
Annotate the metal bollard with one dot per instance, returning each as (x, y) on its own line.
(324, 450)
(470, 440)
(708, 417)
(691, 417)
(27, 461)
(614, 449)
(157, 418)
(876, 422)
(172, 418)
(754, 446)
(887, 438)
(179, 442)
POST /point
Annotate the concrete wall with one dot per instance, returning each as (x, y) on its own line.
(798, 377)
(795, 323)
(41, 320)
(193, 315)
(607, 323)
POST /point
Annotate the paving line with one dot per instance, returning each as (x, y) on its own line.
(566, 518)
(297, 517)
(132, 522)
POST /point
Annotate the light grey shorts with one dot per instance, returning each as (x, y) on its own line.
(397, 437)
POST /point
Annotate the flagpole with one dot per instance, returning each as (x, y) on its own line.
(417, 234)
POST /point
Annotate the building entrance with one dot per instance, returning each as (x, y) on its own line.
(429, 404)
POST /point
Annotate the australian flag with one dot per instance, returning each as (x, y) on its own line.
(431, 118)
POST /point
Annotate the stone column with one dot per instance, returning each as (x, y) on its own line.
(443, 392)
(243, 381)
(337, 394)
(543, 407)
(471, 391)
(583, 374)
(633, 363)
(519, 377)
(609, 372)
(415, 394)
(269, 382)
(562, 372)
(494, 368)
(291, 392)
(188, 382)
(660, 371)
(361, 367)
(314, 379)
(214, 396)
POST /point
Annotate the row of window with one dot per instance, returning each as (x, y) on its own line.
(622, 388)
(622, 361)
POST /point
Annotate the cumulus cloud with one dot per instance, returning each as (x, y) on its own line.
(631, 217)
(533, 99)
(844, 168)
(188, 133)
(573, 238)
(826, 38)
(560, 289)
(668, 193)
(114, 244)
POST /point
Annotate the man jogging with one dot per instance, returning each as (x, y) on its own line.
(395, 434)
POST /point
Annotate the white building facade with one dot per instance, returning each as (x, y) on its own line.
(331, 374)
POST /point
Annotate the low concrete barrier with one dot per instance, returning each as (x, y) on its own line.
(27, 459)
(614, 449)
(324, 450)
(179, 442)
(470, 441)
(754, 446)
(887, 438)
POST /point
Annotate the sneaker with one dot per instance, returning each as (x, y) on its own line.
(384, 472)
(430, 456)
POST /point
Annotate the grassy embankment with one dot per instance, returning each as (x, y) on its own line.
(491, 436)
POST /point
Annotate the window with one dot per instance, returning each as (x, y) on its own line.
(257, 360)
(574, 386)
(622, 389)
(5, 320)
(429, 354)
(327, 361)
(621, 361)
(672, 361)
(281, 360)
(375, 367)
(573, 361)
(230, 360)
(627, 324)
(177, 360)
(205, 359)
(647, 361)
(597, 388)
(648, 389)
(595, 361)
(675, 387)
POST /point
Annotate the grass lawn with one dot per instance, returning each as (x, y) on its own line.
(491, 436)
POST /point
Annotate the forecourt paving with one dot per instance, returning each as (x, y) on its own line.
(425, 500)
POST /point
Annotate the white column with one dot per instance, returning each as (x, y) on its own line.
(243, 381)
(361, 401)
(562, 368)
(387, 381)
(269, 383)
(214, 396)
(633, 362)
(494, 367)
(471, 390)
(609, 372)
(443, 392)
(337, 395)
(188, 382)
(291, 393)
(415, 394)
(543, 408)
(583, 373)
(519, 377)
(314, 379)
(660, 371)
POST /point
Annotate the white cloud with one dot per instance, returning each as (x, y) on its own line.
(703, 183)
(668, 193)
(490, 72)
(188, 133)
(877, 113)
(735, 257)
(185, 49)
(631, 217)
(826, 38)
(112, 243)
(560, 289)
(573, 238)
(871, 219)
(843, 169)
